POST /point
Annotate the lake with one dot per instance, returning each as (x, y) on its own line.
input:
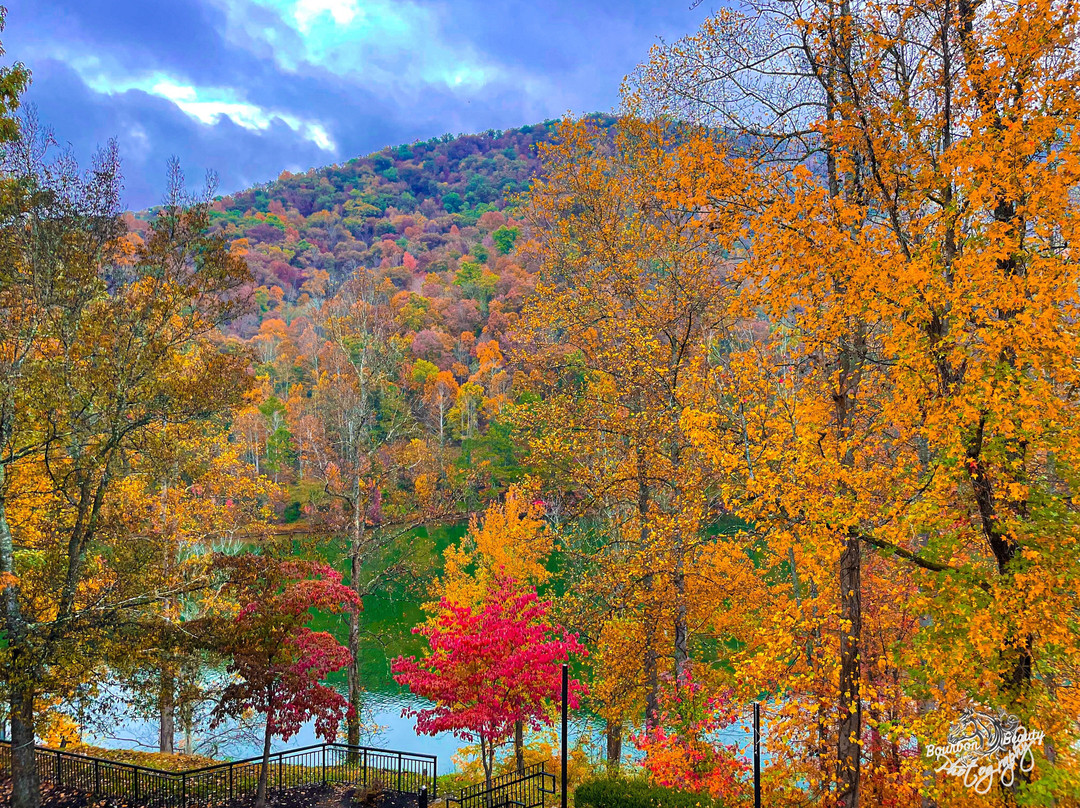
(387, 621)
(382, 714)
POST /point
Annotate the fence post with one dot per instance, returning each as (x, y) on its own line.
(97, 776)
(565, 707)
(280, 773)
(757, 754)
(231, 768)
(399, 772)
(365, 765)
(324, 764)
(59, 771)
(183, 789)
(136, 785)
(423, 797)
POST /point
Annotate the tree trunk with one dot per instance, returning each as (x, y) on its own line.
(264, 770)
(189, 732)
(614, 747)
(25, 788)
(1018, 652)
(167, 711)
(487, 757)
(850, 729)
(652, 675)
(682, 653)
(519, 746)
(353, 675)
(26, 792)
(652, 658)
(355, 568)
(682, 620)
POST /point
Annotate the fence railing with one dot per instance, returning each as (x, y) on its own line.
(320, 764)
(514, 790)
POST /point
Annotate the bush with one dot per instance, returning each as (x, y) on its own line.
(620, 793)
(453, 782)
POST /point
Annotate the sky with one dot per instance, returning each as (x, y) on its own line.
(248, 88)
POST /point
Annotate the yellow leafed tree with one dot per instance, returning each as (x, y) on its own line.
(906, 368)
(630, 311)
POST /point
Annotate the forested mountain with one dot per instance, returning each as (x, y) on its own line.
(427, 217)
(410, 251)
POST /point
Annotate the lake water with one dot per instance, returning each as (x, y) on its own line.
(382, 715)
(387, 621)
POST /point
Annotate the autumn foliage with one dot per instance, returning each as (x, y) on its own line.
(686, 749)
(770, 386)
(810, 355)
(488, 667)
(277, 662)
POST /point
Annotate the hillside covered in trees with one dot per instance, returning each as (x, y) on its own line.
(417, 209)
(425, 234)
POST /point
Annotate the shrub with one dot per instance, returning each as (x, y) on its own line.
(623, 793)
(453, 782)
(682, 751)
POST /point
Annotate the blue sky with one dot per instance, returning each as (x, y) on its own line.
(248, 88)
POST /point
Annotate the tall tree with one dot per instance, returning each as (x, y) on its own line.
(378, 469)
(102, 341)
(277, 661)
(513, 540)
(631, 301)
(488, 667)
(910, 186)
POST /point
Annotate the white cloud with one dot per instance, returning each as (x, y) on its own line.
(138, 143)
(396, 44)
(207, 105)
(342, 12)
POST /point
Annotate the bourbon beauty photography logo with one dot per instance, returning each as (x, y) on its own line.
(984, 747)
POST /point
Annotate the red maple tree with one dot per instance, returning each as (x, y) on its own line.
(488, 667)
(278, 663)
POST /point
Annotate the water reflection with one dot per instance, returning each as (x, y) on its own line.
(386, 728)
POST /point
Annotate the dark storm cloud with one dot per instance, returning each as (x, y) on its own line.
(150, 130)
(95, 64)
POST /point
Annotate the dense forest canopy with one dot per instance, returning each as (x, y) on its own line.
(410, 212)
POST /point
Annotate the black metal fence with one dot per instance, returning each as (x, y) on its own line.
(514, 790)
(321, 764)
